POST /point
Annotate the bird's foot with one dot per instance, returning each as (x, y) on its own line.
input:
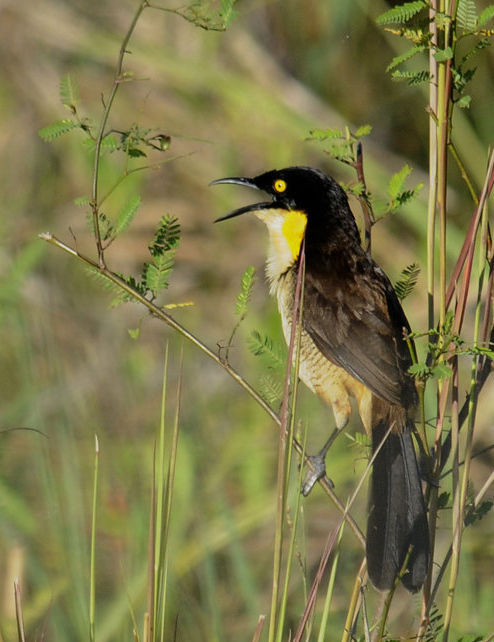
(317, 472)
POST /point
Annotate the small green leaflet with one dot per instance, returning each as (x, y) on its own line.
(442, 55)
(243, 297)
(396, 183)
(486, 15)
(407, 282)
(411, 77)
(50, 132)
(401, 13)
(69, 92)
(466, 15)
(166, 236)
(156, 274)
(264, 346)
(271, 389)
(127, 214)
(407, 55)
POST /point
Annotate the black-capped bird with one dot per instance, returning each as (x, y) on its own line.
(352, 345)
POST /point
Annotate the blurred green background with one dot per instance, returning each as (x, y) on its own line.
(234, 103)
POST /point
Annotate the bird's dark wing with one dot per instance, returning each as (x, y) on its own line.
(355, 319)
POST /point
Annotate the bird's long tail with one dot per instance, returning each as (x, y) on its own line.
(397, 524)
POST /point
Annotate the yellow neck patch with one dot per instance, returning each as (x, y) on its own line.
(286, 232)
(293, 229)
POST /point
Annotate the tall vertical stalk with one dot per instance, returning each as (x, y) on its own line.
(117, 80)
(460, 488)
(431, 205)
(282, 451)
(443, 115)
(92, 563)
(440, 108)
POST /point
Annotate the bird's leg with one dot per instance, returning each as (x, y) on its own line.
(318, 464)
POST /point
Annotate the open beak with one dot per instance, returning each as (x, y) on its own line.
(247, 208)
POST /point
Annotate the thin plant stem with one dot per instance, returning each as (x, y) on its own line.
(289, 451)
(333, 536)
(282, 450)
(473, 227)
(290, 556)
(117, 80)
(21, 633)
(367, 213)
(444, 113)
(355, 601)
(463, 172)
(331, 583)
(431, 206)
(259, 628)
(458, 519)
(92, 573)
(170, 482)
(148, 625)
(159, 501)
(431, 239)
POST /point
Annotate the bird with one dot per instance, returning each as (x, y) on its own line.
(353, 344)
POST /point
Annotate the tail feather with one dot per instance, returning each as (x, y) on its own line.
(397, 517)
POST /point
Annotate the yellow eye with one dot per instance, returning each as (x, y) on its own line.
(279, 185)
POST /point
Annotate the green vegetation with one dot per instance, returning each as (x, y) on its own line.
(182, 519)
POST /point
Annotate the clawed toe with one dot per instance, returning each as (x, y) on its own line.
(318, 472)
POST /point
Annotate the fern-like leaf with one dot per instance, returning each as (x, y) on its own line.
(81, 201)
(127, 214)
(476, 513)
(50, 132)
(69, 92)
(120, 295)
(363, 130)
(104, 281)
(396, 183)
(411, 77)
(202, 14)
(243, 297)
(156, 274)
(166, 236)
(324, 134)
(408, 195)
(464, 102)
(271, 389)
(360, 439)
(264, 346)
(407, 55)
(407, 282)
(402, 13)
(108, 144)
(466, 15)
(126, 297)
(435, 625)
(462, 78)
(481, 44)
(486, 15)
(227, 13)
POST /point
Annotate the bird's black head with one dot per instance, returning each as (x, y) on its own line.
(294, 188)
(306, 190)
